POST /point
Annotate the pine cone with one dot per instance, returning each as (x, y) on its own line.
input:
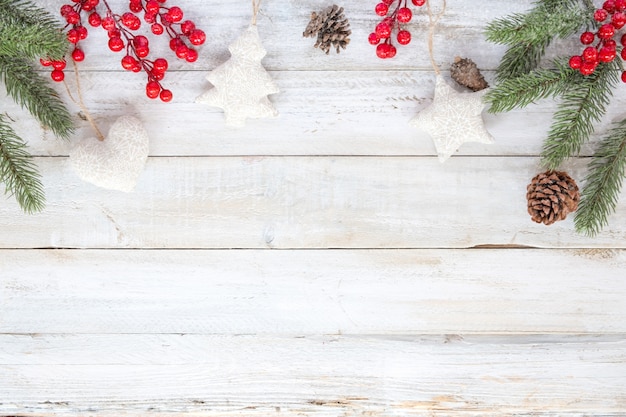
(465, 72)
(331, 28)
(552, 195)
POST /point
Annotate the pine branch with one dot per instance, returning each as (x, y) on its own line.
(29, 31)
(520, 91)
(17, 170)
(530, 34)
(584, 104)
(604, 182)
(30, 90)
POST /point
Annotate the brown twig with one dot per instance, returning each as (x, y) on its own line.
(81, 103)
(432, 22)
(256, 4)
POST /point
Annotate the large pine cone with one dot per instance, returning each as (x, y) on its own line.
(552, 195)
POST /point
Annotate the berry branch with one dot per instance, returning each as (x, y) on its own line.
(394, 20)
(121, 28)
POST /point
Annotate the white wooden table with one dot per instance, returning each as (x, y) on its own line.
(319, 264)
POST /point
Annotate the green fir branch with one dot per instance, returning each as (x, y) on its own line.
(520, 91)
(29, 31)
(528, 35)
(17, 170)
(30, 90)
(583, 105)
(603, 183)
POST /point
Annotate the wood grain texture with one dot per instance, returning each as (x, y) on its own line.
(314, 292)
(319, 264)
(298, 202)
(324, 375)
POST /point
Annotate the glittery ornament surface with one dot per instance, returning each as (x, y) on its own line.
(241, 84)
(453, 119)
(116, 162)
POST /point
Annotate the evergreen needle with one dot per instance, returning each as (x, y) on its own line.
(17, 170)
(603, 183)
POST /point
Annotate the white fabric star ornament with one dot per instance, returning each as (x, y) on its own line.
(453, 119)
(241, 84)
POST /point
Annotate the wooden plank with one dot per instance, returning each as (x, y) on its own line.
(281, 25)
(341, 113)
(312, 376)
(313, 292)
(299, 202)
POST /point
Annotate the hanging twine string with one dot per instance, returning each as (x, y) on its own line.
(256, 5)
(432, 22)
(80, 103)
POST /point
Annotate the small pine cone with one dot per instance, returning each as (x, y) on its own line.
(551, 196)
(465, 72)
(331, 28)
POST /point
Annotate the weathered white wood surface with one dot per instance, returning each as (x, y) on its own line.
(375, 304)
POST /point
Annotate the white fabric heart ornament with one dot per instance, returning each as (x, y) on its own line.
(116, 162)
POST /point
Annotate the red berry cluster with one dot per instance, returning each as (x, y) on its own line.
(395, 16)
(611, 17)
(183, 37)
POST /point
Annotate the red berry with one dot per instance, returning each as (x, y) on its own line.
(600, 15)
(150, 17)
(419, 2)
(166, 96)
(197, 37)
(381, 9)
(57, 75)
(182, 51)
(152, 6)
(114, 33)
(586, 38)
(383, 30)
(623, 40)
(404, 15)
(78, 55)
(590, 54)
(82, 32)
(373, 39)
(388, 2)
(606, 54)
(129, 62)
(392, 51)
(160, 64)
(187, 26)
(153, 89)
(609, 6)
(140, 41)
(116, 44)
(618, 20)
(108, 23)
(58, 65)
(175, 43)
(620, 5)
(624, 76)
(157, 28)
(587, 68)
(166, 19)
(404, 37)
(192, 55)
(45, 62)
(142, 51)
(131, 21)
(575, 62)
(135, 6)
(610, 43)
(175, 13)
(382, 50)
(606, 31)
(623, 54)
(72, 18)
(94, 19)
(156, 75)
(66, 9)
(73, 36)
